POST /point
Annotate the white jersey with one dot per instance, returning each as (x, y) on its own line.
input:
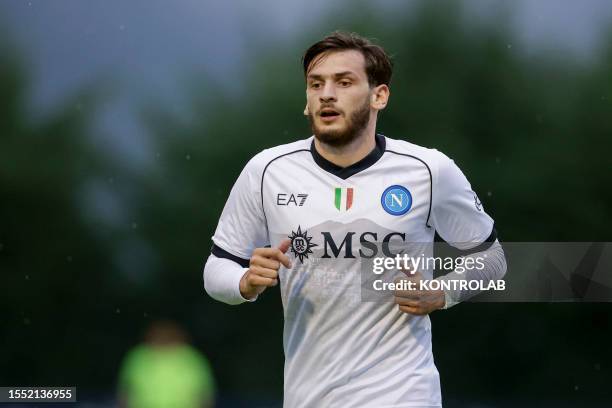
(339, 350)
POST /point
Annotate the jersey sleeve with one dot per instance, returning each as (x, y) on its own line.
(457, 214)
(242, 226)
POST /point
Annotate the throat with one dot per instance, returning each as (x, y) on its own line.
(349, 154)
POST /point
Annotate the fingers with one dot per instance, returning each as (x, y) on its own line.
(258, 260)
(255, 280)
(264, 272)
(413, 310)
(409, 294)
(419, 302)
(277, 254)
(408, 301)
(284, 245)
(263, 269)
(402, 301)
(412, 274)
(412, 284)
(416, 294)
(413, 301)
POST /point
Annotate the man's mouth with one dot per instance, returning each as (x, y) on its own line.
(328, 114)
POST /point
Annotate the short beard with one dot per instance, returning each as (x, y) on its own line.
(358, 121)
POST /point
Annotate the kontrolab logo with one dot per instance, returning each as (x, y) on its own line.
(301, 244)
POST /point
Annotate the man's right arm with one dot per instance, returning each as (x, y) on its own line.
(222, 280)
(227, 281)
(241, 266)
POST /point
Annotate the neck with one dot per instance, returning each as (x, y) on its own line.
(351, 153)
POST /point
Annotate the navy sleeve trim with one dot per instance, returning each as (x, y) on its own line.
(222, 253)
(479, 248)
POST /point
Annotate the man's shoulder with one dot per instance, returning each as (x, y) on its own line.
(261, 160)
(439, 164)
(429, 156)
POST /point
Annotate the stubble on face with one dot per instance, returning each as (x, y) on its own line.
(356, 122)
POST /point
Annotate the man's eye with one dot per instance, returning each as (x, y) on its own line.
(345, 83)
(315, 85)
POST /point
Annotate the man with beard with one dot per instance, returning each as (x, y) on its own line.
(306, 214)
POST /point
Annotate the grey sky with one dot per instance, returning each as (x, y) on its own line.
(150, 45)
(147, 43)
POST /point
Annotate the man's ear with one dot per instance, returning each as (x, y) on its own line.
(380, 97)
(306, 111)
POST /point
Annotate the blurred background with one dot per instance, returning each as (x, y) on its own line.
(123, 126)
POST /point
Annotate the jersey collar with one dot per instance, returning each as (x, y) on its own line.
(346, 172)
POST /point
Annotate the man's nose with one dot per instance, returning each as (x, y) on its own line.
(329, 93)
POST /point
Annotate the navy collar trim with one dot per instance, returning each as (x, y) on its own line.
(346, 172)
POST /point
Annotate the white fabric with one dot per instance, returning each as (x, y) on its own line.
(341, 351)
(494, 269)
(241, 226)
(455, 215)
(222, 280)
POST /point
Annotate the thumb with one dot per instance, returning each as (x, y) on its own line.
(412, 274)
(416, 275)
(284, 245)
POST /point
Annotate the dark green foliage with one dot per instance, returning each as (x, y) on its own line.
(532, 134)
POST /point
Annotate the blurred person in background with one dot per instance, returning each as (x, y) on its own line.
(165, 372)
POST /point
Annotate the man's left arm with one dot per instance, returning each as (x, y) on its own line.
(459, 219)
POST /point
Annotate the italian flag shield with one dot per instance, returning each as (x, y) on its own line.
(343, 198)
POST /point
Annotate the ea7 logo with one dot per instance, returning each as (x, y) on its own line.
(291, 199)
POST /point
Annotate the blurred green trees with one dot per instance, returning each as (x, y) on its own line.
(531, 132)
(53, 266)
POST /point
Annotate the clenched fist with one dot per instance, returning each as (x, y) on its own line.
(416, 301)
(263, 269)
